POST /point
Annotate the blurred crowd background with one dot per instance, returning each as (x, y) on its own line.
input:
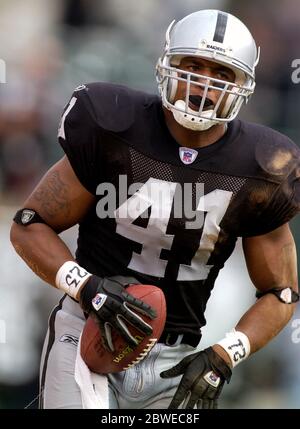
(49, 48)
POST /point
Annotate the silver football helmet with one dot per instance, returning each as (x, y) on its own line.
(216, 36)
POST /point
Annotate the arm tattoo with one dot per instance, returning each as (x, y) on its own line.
(32, 265)
(53, 196)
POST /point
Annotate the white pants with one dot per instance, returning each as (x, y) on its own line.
(138, 387)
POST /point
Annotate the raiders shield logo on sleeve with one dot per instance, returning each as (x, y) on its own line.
(27, 215)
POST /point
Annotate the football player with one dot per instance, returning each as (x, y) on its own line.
(157, 146)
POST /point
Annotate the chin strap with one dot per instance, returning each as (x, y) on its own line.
(286, 295)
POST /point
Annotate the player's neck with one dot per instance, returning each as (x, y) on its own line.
(190, 138)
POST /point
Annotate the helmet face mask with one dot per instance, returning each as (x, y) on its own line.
(194, 37)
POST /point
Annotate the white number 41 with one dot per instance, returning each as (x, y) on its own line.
(159, 195)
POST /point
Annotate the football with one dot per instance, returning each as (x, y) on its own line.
(100, 360)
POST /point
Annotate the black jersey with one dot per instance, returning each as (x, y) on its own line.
(119, 146)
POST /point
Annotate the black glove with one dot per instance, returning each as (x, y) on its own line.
(204, 374)
(106, 300)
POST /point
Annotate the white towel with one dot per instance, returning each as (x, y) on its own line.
(93, 387)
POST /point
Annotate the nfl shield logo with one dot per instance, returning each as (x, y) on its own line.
(187, 155)
(212, 378)
(98, 301)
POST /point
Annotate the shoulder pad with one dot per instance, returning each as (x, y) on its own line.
(113, 107)
(276, 154)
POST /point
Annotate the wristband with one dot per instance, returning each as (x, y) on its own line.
(71, 277)
(237, 345)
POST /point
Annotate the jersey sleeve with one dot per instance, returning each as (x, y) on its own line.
(79, 137)
(283, 206)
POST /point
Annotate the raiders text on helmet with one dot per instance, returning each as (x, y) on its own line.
(215, 36)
